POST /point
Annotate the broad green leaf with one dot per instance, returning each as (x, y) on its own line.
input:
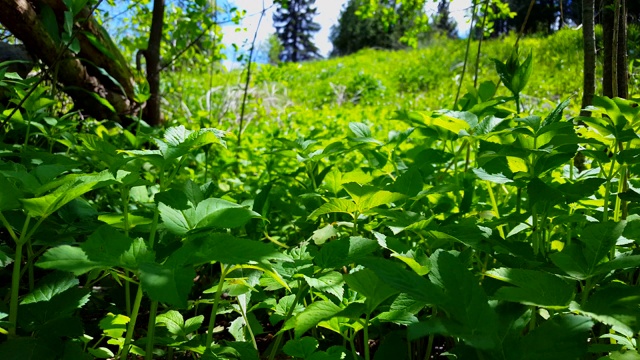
(209, 213)
(114, 326)
(137, 254)
(67, 258)
(533, 287)
(311, 316)
(321, 235)
(117, 220)
(334, 205)
(173, 321)
(73, 186)
(571, 260)
(301, 348)
(10, 195)
(367, 197)
(615, 305)
(409, 183)
(494, 178)
(344, 251)
(599, 239)
(106, 245)
(465, 302)
(169, 284)
(367, 283)
(55, 313)
(50, 286)
(28, 348)
(4, 259)
(571, 331)
(404, 280)
(179, 140)
(331, 283)
(224, 248)
(101, 352)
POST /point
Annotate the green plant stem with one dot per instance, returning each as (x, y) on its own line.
(585, 293)
(214, 309)
(6, 224)
(617, 213)
(15, 288)
(517, 96)
(125, 214)
(151, 330)
(494, 205)
(132, 324)
(466, 57)
(535, 235)
(367, 356)
(352, 344)
(607, 190)
(427, 355)
(532, 323)
(276, 345)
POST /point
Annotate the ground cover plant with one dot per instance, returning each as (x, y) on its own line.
(353, 221)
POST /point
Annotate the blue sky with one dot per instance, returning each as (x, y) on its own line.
(328, 13)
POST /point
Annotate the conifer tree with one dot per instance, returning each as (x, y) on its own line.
(295, 26)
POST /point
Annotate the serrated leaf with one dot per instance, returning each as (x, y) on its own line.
(572, 331)
(224, 248)
(50, 286)
(173, 321)
(301, 348)
(532, 287)
(311, 316)
(344, 251)
(367, 283)
(67, 258)
(331, 283)
(209, 213)
(494, 178)
(113, 325)
(170, 284)
(334, 206)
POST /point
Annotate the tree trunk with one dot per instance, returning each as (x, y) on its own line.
(615, 72)
(589, 39)
(153, 116)
(81, 79)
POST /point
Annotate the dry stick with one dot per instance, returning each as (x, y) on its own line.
(248, 80)
(466, 54)
(74, 34)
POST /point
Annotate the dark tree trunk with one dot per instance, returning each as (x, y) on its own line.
(82, 82)
(589, 39)
(615, 69)
(153, 115)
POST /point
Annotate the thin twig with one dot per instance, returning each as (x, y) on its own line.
(248, 80)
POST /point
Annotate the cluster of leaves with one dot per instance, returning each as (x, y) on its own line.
(466, 233)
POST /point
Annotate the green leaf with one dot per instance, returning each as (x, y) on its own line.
(367, 197)
(301, 348)
(614, 305)
(494, 178)
(72, 186)
(114, 326)
(9, 196)
(209, 213)
(533, 287)
(224, 248)
(169, 284)
(331, 283)
(464, 300)
(50, 286)
(106, 245)
(599, 239)
(569, 331)
(334, 206)
(367, 283)
(344, 251)
(403, 280)
(179, 140)
(311, 316)
(571, 260)
(173, 321)
(67, 258)
(4, 259)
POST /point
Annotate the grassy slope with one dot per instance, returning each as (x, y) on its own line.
(370, 85)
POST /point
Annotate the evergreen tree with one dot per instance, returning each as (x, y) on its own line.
(294, 25)
(443, 21)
